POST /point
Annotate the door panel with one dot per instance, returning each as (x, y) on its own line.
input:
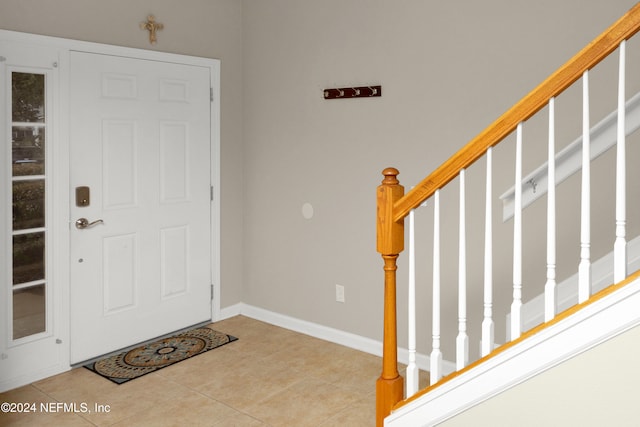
(140, 140)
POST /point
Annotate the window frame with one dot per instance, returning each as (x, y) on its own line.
(10, 179)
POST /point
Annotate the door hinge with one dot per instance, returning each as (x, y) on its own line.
(211, 94)
(211, 292)
(211, 192)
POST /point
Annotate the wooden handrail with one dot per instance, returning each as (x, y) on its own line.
(556, 83)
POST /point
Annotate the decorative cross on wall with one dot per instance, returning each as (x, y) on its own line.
(152, 26)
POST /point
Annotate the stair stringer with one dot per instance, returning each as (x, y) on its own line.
(598, 321)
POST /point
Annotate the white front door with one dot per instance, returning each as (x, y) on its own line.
(140, 150)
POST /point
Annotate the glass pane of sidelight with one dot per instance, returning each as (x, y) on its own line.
(28, 258)
(29, 310)
(28, 204)
(27, 147)
(27, 97)
(28, 128)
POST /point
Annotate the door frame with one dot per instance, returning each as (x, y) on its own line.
(61, 195)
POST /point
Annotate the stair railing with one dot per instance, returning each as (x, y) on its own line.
(393, 206)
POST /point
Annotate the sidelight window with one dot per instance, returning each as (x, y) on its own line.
(29, 195)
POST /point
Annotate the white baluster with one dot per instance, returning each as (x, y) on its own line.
(462, 341)
(412, 368)
(620, 245)
(584, 269)
(487, 322)
(550, 291)
(435, 371)
(516, 305)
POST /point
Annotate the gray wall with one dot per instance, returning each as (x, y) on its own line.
(447, 70)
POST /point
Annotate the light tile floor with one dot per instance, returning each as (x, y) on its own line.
(269, 377)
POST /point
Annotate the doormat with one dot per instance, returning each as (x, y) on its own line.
(150, 357)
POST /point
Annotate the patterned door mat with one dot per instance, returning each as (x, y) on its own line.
(150, 357)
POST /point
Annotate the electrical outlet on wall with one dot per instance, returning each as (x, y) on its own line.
(339, 293)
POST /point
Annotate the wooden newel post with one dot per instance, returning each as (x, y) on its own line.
(390, 242)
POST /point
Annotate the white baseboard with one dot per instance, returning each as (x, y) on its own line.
(326, 333)
(228, 312)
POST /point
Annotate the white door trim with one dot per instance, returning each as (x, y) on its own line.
(60, 231)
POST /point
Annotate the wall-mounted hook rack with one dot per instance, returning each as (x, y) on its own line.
(353, 92)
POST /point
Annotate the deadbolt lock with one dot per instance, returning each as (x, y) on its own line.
(83, 196)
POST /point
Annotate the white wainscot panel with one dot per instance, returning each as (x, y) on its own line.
(120, 278)
(174, 244)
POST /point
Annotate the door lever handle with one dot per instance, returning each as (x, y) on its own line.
(83, 223)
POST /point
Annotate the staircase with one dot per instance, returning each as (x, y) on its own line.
(598, 315)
